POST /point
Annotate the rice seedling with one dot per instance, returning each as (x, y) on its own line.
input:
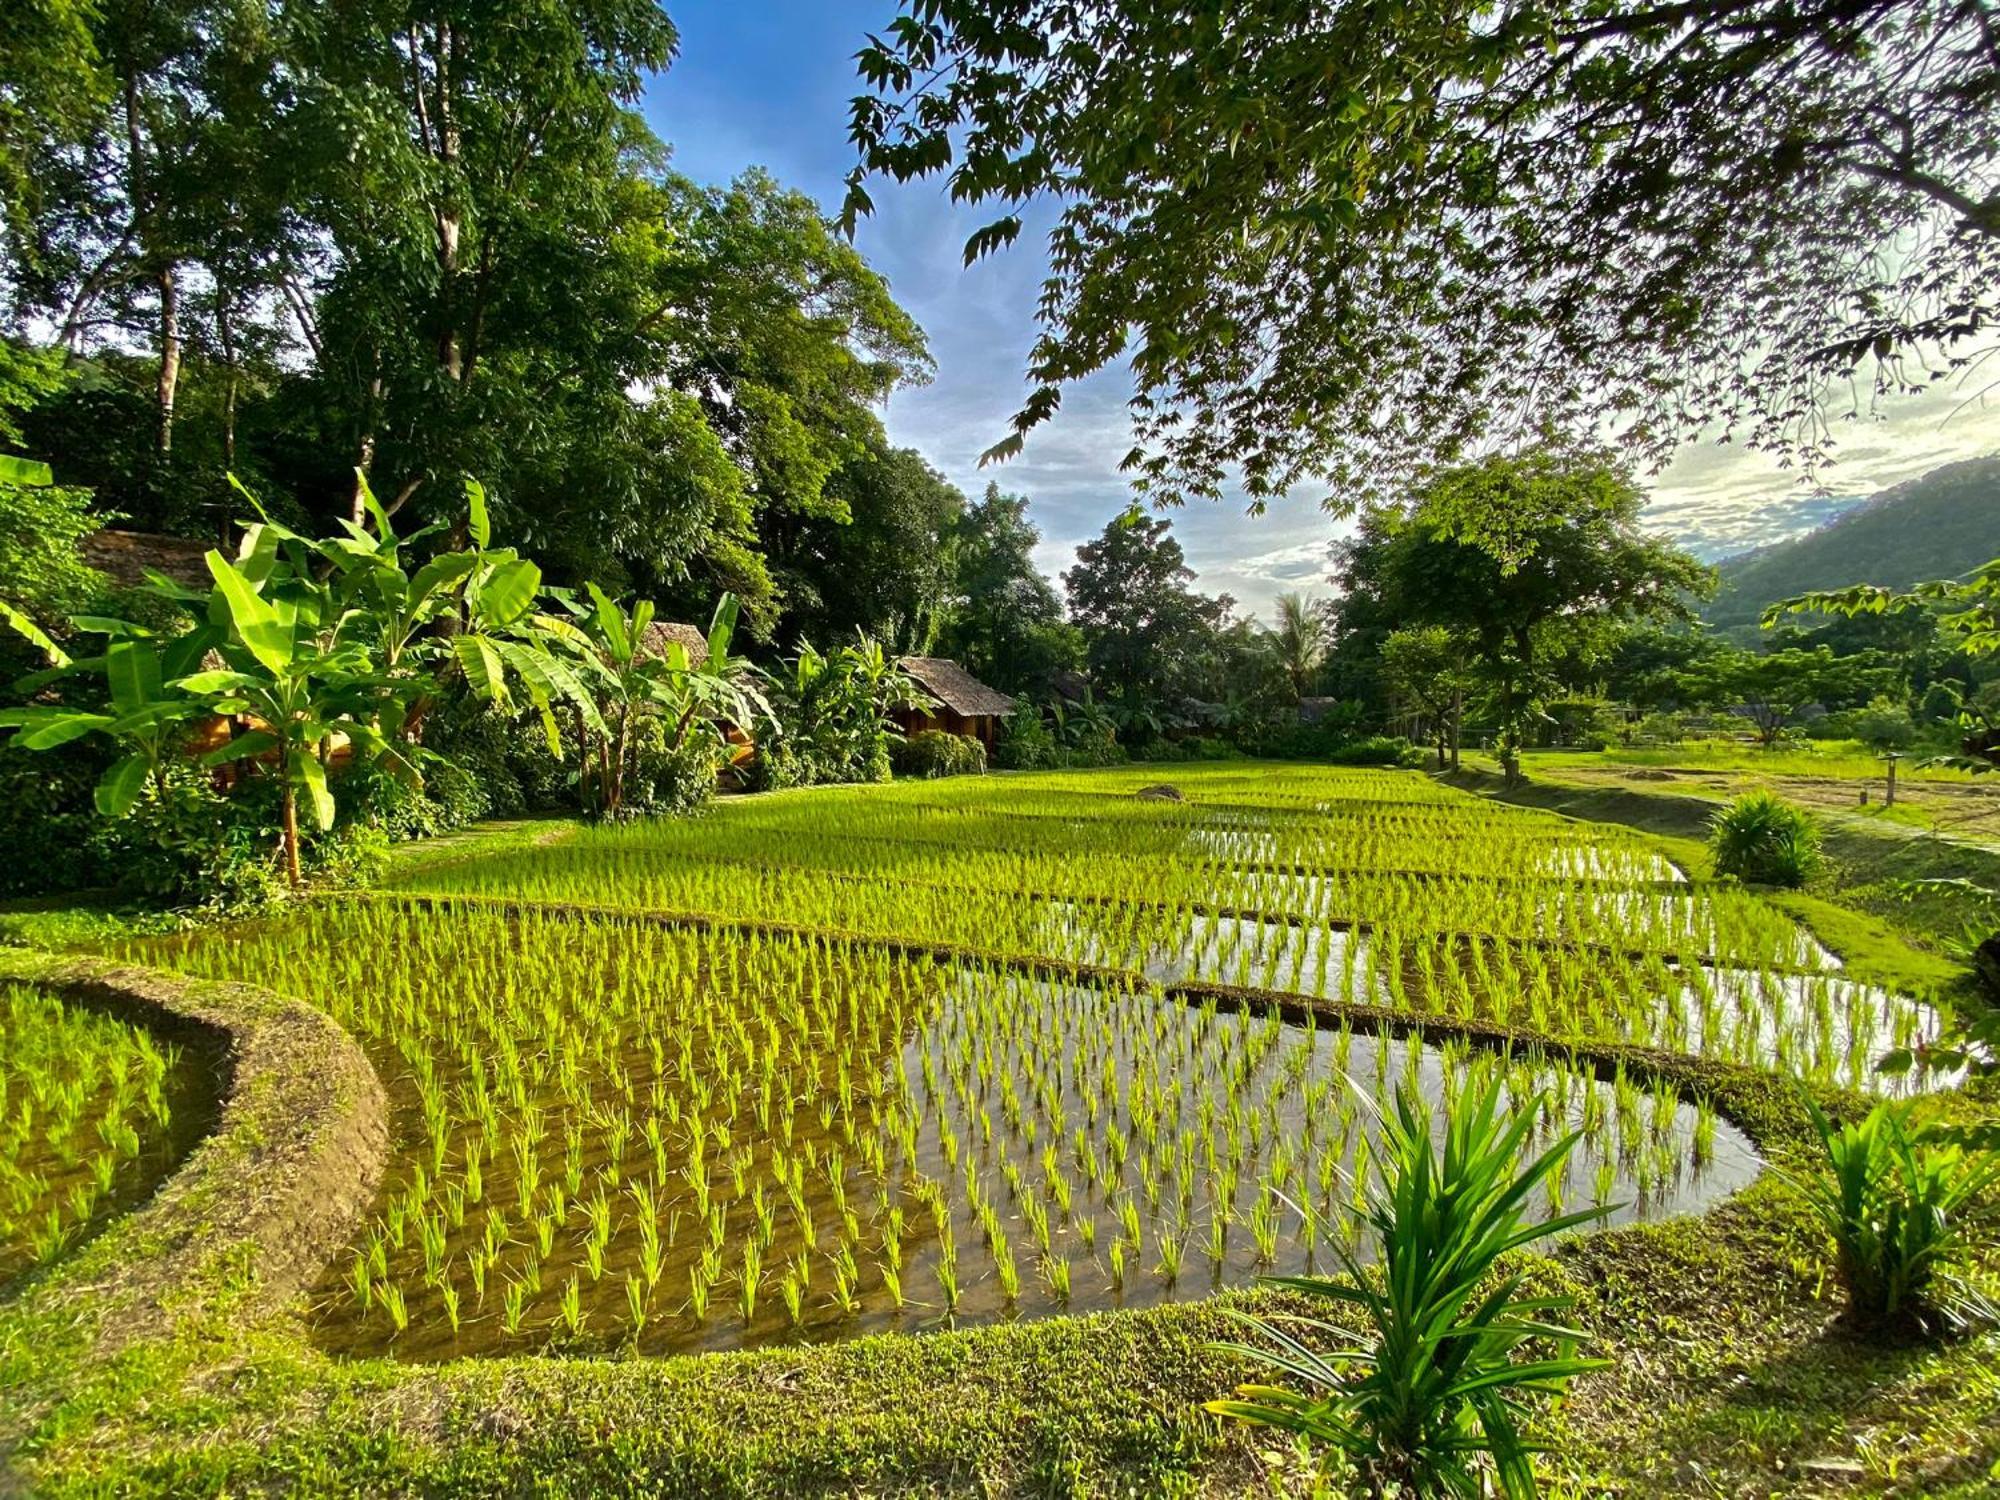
(87, 1116)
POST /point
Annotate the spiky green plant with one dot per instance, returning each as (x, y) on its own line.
(1892, 1199)
(1433, 1388)
(1763, 839)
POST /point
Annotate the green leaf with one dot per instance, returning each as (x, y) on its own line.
(722, 628)
(252, 742)
(59, 728)
(484, 671)
(218, 681)
(256, 623)
(610, 622)
(383, 529)
(132, 668)
(120, 786)
(441, 571)
(478, 524)
(257, 554)
(508, 592)
(25, 472)
(122, 630)
(310, 776)
(34, 635)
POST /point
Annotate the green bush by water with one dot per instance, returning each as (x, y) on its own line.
(1765, 840)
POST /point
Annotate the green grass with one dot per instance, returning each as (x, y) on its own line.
(1838, 760)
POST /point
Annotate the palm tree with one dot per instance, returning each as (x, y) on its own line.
(1300, 640)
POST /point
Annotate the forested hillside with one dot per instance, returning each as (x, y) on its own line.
(1938, 526)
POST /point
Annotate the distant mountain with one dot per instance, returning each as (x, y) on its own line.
(1940, 525)
(1715, 536)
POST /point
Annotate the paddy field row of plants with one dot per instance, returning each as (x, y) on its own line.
(88, 1121)
(618, 1128)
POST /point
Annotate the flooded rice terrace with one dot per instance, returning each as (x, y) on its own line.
(617, 1133)
(672, 1086)
(95, 1113)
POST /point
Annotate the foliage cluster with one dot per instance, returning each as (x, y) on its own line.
(1893, 1196)
(932, 753)
(1434, 1383)
(1765, 840)
(832, 716)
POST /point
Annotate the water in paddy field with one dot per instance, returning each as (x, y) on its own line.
(1089, 1140)
(1808, 1024)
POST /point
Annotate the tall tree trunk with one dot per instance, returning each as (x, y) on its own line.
(291, 835)
(357, 509)
(226, 335)
(450, 214)
(170, 353)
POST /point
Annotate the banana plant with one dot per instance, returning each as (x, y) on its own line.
(468, 611)
(303, 689)
(1083, 720)
(838, 706)
(145, 708)
(322, 646)
(717, 685)
(611, 650)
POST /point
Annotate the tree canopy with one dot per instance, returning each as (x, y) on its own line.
(1341, 241)
(1131, 591)
(296, 240)
(1529, 556)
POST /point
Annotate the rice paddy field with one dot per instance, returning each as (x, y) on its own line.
(93, 1113)
(844, 1061)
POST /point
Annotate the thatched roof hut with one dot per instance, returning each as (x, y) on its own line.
(964, 704)
(662, 633)
(125, 556)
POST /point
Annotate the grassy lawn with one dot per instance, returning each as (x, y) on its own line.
(913, 1138)
(1831, 778)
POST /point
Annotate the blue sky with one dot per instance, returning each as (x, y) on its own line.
(766, 83)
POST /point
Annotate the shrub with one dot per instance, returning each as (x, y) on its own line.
(1332, 741)
(1433, 1382)
(1891, 1202)
(1194, 748)
(931, 753)
(1377, 750)
(1581, 724)
(1026, 743)
(188, 844)
(1096, 747)
(49, 835)
(449, 799)
(1885, 724)
(506, 756)
(1763, 839)
(669, 779)
(1661, 728)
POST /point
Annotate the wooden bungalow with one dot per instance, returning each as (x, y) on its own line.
(963, 704)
